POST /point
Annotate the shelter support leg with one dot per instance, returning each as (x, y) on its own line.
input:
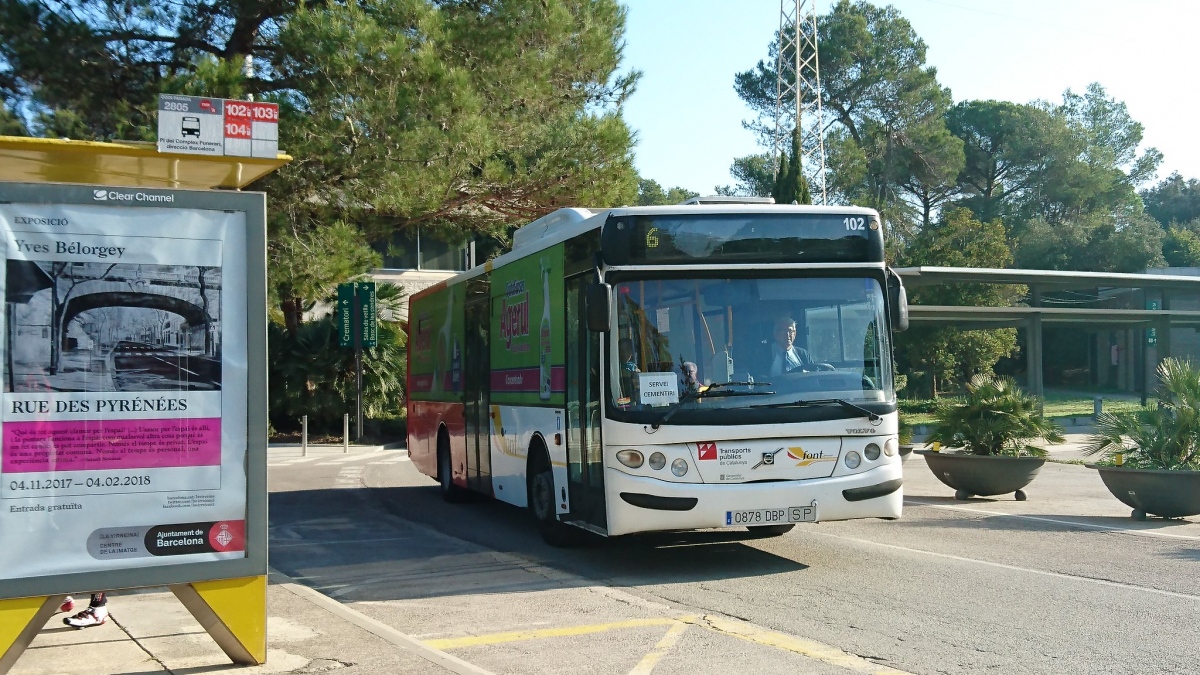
(234, 612)
(20, 621)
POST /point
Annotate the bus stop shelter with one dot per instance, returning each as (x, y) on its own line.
(226, 595)
(1144, 309)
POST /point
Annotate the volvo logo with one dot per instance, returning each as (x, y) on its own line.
(768, 459)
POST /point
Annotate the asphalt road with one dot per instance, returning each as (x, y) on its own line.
(1062, 583)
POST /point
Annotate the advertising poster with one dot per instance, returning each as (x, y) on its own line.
(123, 432)
(528, 338)
(436, 345)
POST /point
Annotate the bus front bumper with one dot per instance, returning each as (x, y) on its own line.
(639, 504)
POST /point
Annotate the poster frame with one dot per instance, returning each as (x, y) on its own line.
(253, 205)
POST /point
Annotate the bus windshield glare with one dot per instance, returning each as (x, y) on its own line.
(727, 351)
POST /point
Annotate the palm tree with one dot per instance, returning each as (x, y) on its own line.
(995, 418)
(1163, 437)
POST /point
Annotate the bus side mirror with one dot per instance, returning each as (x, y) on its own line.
(599, 300)
(898, 303)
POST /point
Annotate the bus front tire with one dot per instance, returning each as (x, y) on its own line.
(770, 530)
(451, 493)
(542, 502)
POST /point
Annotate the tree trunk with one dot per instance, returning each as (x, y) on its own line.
(293, 313)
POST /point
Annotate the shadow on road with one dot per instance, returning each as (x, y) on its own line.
(1050, 522)
(348, 544)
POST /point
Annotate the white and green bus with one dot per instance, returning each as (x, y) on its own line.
(667, 368)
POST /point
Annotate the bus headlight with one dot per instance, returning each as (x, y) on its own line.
(657, 461)
(890, 447)
(630, 458)
(679, 467)
(853, 459)
(871, 451)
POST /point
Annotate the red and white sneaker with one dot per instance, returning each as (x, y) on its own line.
(92, 616)
(67, 605)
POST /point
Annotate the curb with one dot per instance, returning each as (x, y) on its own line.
(376, 628)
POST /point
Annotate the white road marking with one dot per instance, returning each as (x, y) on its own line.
(1014, 568)
(1112, 528)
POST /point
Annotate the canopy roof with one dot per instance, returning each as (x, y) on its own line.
(51, 160)
(933, 276)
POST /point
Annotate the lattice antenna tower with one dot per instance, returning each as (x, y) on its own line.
(797, 91)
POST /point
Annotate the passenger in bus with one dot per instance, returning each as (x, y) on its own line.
(690, 381)
(786, 357)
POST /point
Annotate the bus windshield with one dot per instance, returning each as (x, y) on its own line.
(726, 350)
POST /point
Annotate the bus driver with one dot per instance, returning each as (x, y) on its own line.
(786, 357)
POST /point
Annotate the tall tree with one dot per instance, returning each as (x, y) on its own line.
(1173, 200)
(878, 91)
(791, 187)
(650, 193)
(1099, 169)
(1096, 242)
(946, 353)
(752, 177)
(457, 116)
(1007, 147)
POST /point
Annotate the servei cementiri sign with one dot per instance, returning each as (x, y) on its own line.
(214, 126)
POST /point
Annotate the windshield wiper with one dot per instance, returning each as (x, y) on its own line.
(692, 394)
(805, 403)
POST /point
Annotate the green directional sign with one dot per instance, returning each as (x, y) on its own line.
(361, 330)
(345, 315)
(1152, 332)
(367, 313)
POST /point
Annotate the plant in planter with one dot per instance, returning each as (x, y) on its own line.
(1152, 456)
(995, 426)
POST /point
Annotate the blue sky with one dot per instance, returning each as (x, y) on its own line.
(688, 118)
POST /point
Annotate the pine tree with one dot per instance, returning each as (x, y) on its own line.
(790, 185)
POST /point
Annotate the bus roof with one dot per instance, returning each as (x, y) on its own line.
(566, 223)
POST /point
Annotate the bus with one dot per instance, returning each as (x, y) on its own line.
(704, 365)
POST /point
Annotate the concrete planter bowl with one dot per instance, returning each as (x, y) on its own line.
(983, 475)
(1170, 494)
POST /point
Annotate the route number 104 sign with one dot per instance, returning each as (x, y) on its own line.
(213, 126)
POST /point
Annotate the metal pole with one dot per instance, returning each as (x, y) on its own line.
(346, 433)
(304, 436)
(358, 419)
(358, 340)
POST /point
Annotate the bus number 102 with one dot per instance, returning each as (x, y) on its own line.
(855, 223)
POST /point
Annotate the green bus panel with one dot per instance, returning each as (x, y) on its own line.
(528, 331)
(436, 344)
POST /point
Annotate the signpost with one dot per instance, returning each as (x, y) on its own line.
(358, 327)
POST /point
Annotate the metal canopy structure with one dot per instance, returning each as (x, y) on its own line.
(52, 160)
(1106, 309)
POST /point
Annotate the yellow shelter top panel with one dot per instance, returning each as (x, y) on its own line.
(51, 160)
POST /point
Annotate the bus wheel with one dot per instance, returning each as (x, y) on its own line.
(450, 492)
(770, 530)
(542, 501)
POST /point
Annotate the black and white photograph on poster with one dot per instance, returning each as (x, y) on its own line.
(112, 327)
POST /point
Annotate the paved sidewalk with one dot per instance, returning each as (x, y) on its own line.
(151, 632)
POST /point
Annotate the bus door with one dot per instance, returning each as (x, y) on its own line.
(476, 373)
(585, 465)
